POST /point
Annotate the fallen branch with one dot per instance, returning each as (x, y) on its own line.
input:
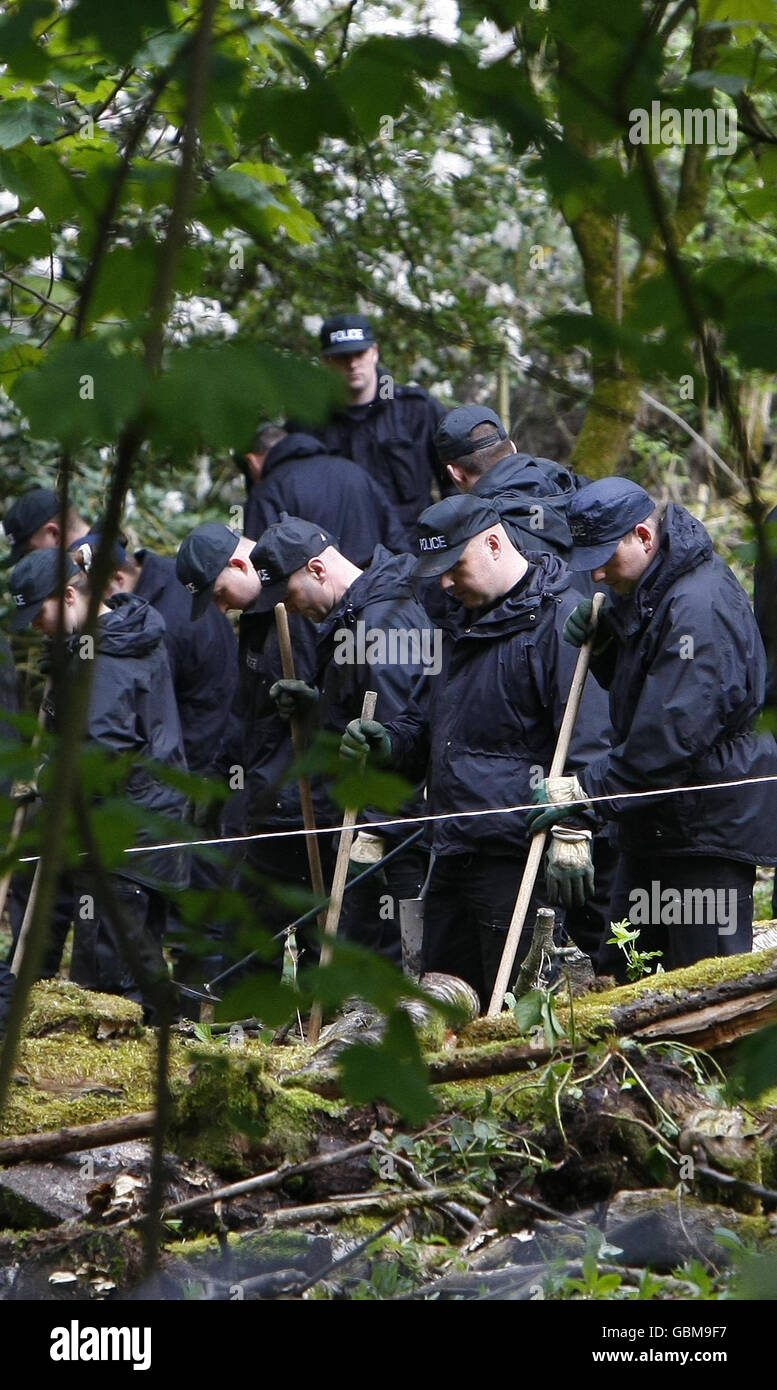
(35, 1148)
(275, 1178)
(379, 1204)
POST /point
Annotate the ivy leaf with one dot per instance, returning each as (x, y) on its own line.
(20, 119)
(527, 1011)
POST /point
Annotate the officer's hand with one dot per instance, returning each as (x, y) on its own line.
(545, 813)
(569, 869)
(364, 736)
(293, 698)
(578, 626)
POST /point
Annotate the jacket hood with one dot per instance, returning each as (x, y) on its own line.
(517, 485)
(386, 580)
(132, 628)
(294, 446)
(684, 545)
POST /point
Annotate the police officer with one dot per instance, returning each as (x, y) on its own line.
(679, 651)
(387, 428)
(372, 635)
(202, 656)
(215, 564)
(33, 522)
(531, 495)
(132, 712)
(295, 474)
(492, 723)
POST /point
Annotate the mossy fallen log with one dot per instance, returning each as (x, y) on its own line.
(37, 1148)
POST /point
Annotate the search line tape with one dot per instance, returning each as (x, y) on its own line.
(439, 816)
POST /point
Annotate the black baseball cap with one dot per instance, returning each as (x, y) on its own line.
(600, 515)
(446, 528)
(33, 580)
(26, 514)
(453, 438)
(346, 333)
(93, 539)
(286, 546)
(200, 560)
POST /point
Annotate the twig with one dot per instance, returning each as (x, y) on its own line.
(276, 1178)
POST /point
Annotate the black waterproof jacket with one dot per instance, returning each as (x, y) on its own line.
(9, 700)
(132, 710)
(267, 752)
(685, 668)
(377, 638)
(766, 579)
(494, 712)
(300, 477)
(532, 497)
(202, 656)
(392, 437)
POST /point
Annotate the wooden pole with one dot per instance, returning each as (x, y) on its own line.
(338, 882)
(305, 794)
(537, 845)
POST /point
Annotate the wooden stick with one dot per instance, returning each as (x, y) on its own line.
(338, 881)
(24, 930)
(35, 1148)
(276, 1178)
(20, 814)
(305, 794)
(537, 845)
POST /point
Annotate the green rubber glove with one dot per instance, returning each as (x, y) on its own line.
(293, 698)
(364, 736)
(569, 868)
(545, 813)
(578, 626)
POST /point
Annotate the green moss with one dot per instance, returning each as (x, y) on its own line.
(230, 1113)
(57, 1006)
(294, 1120)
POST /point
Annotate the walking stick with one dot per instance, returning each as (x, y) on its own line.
(20, 814)
(338, 881)
(534, 857)
(305, 795)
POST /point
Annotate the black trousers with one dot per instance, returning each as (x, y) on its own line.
(276, 882)
(99, 961)
(688, 908)
(469, 903)
(589, 926)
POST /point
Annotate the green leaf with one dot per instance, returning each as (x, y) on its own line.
(248, 202)
(21, 241)
(38, 179)
(18, 47)
(394, 1071)
(755, 1067)
(118, 29)
(84, 390)
(213, 396)
(21, 119)
(528, 1011)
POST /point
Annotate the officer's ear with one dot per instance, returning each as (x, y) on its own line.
(644, 535)
(316, 567)
(460, 476)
